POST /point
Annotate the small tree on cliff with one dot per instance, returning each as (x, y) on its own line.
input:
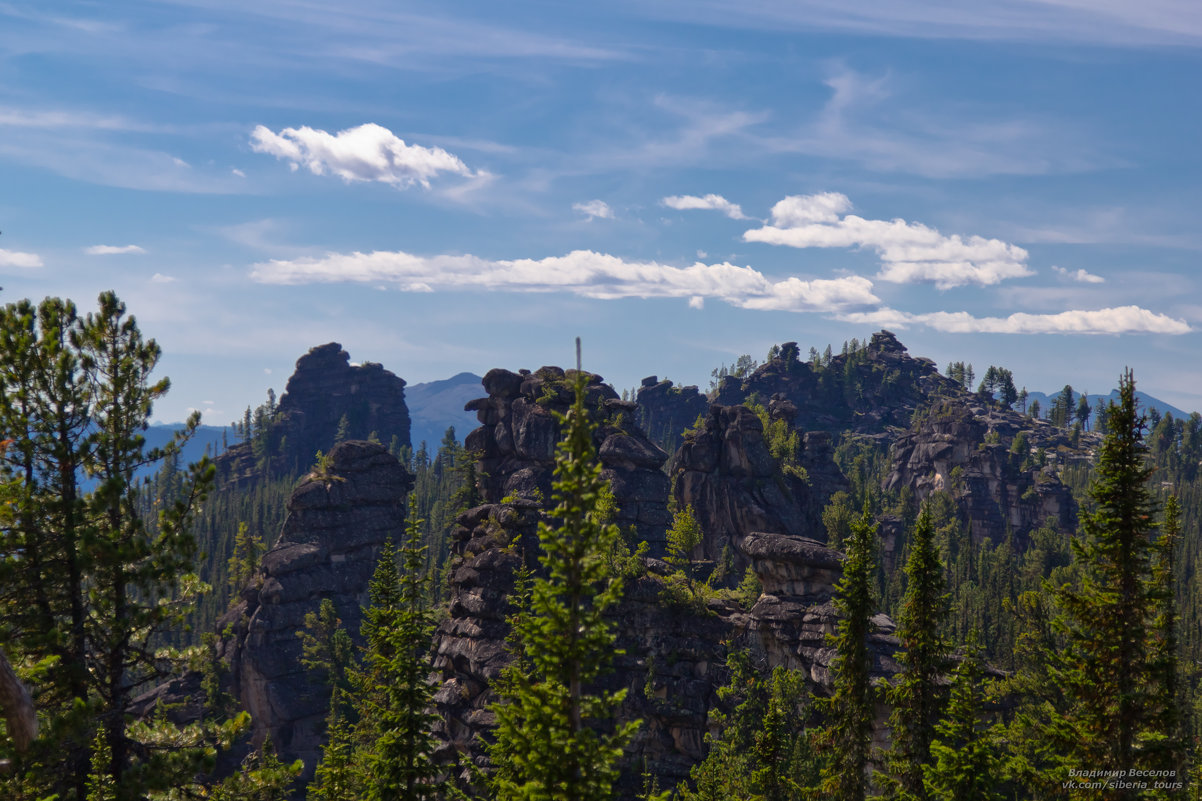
(548, 745)
(849, 711)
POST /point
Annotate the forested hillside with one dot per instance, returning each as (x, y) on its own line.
(848, 575)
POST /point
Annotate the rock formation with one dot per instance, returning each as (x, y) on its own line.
(671, 656)
(335, 527)
(324, 390)
(17, 707)
(518, 434)
(870, 391)
(990, 460)
(726, 474)
(666, 411)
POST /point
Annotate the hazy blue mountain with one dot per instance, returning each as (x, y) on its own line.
(1146, 402)
(437, 405)
(159, 434)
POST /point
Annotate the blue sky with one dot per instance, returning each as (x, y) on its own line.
(458, 186)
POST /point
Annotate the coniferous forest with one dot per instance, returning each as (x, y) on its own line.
(847, 575)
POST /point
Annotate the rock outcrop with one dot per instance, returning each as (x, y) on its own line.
(734, 486)
(336, 525)
(871, 390)
(999, 465)
(670, 657)
(666, 411)
(324, 391)
(516, 443)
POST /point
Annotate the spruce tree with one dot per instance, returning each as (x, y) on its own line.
(918, 697)
(850, 710)
(400, 763)
(1107, 667)
(965, 762)
(550, 743)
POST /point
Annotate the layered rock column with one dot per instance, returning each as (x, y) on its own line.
(336, 525)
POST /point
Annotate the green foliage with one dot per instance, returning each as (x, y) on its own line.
(1107, 655)
(749, 589)
(261, 777)
(244, 562)
(101, 786)
(846, 740)
(783, 441)
(917, 697)
(684, 535)
(549, 744)
(761, 751)
(326, 648)
(398, 627)
(91, 583)
(966, 761)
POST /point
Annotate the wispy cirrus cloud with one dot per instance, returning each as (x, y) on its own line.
(112, 250)
(706, 202)
(580, 272)
(367, 152)
(16, 258)
(909, 252)
(1116, 320)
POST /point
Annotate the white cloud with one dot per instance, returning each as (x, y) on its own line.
(15, 258)
(238, 172)
(581, 272)
(909, 252)
(1117, 320)
(1080, 276)
(709, 202)
(112, 250)
(595, 209)
(366, 153)
(159, 278)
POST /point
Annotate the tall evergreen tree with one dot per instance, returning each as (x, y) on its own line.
(398, 629)
(1107, 666)
(849, 711)
(549, 743)
(918, 697)
(965, 762)
(90, 584)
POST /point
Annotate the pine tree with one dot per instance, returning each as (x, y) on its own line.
(90, 586)
(965, 762)
(918, 697)
(850, 709)
(548, 739)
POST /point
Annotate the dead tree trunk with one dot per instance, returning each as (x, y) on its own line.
(17, 707)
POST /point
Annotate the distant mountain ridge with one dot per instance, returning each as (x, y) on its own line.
(435, 406)
(1146, 402)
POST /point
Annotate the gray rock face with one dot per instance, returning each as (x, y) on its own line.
(731, 481)
(519, 431)
(330, 542)
(666, 411)
(671, 659)
(970, 450)
(324, 388)
(870, 391)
